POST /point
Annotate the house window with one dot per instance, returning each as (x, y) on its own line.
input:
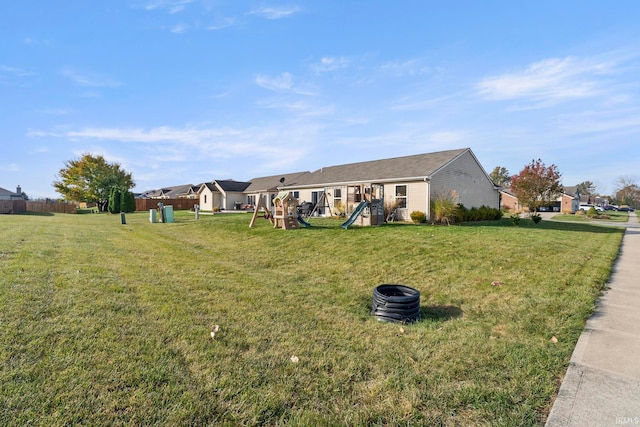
(401, 196)
(205, 198)
(251, 200)
(337, 195)
(296, 194)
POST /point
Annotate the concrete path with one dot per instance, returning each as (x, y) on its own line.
(602, 384)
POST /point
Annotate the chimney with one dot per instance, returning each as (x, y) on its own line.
(19, 190)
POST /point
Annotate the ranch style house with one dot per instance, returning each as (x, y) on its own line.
(409, 183)
(406, 183)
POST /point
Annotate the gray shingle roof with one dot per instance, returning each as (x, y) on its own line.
(271, 183)
(6, 192)
(398, 168)
(229, 185)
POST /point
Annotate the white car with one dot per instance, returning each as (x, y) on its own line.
(586, 207)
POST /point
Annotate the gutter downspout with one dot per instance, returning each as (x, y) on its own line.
(428, 207)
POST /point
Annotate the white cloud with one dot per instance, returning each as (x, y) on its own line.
(91, 80)
(172, 6)
(179, 28)
(552, 79)
(412, 67)
(327, 64)
(34, 41)
(280, 144)
(284, 83)
(55, 111)
(222, 23)
(281, 83)
(408, 104)
(302, 107)
(276, 12)
(16, 72)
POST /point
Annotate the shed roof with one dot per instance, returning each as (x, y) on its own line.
(393, 169)
(230, 185)
(226, 185)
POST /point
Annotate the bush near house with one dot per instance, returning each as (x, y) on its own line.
(418, 217)
(483, 213)
(444, 210)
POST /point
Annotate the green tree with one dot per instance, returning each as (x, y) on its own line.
(536, 185)
(90, 179)
(500, 176)
(113, 206)
(586, 188)
(121, 201)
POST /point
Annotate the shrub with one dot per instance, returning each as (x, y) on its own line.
(592, 212)
(444, 208)
(418, 217)
(536, 218)
(515, 219)
(483, 213)
(114, 202)
(121, 201)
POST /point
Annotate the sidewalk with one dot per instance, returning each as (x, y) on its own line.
(602, 384)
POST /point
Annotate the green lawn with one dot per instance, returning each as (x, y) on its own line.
(109, 324)
(607, 216)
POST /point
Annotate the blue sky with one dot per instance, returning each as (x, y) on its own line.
(187, 91)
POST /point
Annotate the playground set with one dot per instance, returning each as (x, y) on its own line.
(368, 208)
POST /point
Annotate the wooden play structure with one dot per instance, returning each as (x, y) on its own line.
(367, 203)
(285, 213)
(262, 205)
(322, 204)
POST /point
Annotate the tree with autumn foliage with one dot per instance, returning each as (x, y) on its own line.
(90, 179)
(536, 185)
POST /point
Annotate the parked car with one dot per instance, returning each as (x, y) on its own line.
(609, 208)
(586, 207)
(625, 208)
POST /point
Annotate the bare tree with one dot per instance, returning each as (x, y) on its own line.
(628, 192)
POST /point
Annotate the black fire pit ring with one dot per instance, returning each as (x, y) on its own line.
(396, 303)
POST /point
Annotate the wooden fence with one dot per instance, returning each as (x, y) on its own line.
(51, 206)
(12, 206)
(178, 204)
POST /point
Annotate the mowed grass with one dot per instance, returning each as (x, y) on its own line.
(109, 324)
(607, 216)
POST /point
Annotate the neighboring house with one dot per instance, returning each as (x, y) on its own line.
(9, 195)
(268, 187)
(409, 182)
(180, 192)
(222, 195)
(508, 201)
(11, 202)
(568, 202)
(186, 191)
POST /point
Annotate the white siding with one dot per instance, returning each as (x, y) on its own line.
(232, 198)
(206, 200)
(467, 178)
(417, 192)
